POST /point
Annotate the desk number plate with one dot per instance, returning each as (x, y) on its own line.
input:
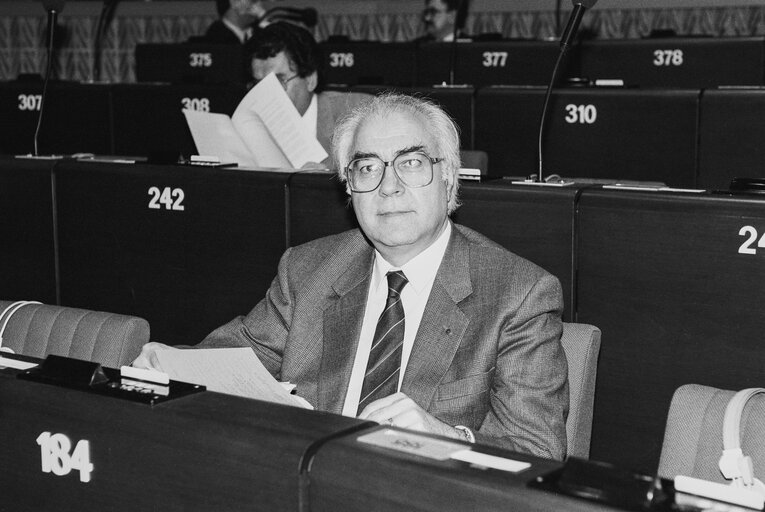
(56, 457)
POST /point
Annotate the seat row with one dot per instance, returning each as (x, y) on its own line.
(672, 278)
(689, 62)
(688, 138)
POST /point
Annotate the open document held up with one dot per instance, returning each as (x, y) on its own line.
(266, 130)
(234, 371)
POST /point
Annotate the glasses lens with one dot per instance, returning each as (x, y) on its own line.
(414, 169)
(365, 173)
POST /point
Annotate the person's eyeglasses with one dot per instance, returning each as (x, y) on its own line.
(285, 81)
(414, 169)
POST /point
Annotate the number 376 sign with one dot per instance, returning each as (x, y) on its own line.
(58, 457)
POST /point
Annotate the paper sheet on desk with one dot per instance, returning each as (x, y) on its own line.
(268, 106)
(234, 371)
(215, 135)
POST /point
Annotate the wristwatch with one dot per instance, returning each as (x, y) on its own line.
(466, 433)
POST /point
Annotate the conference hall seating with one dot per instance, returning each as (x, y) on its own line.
(671, 278)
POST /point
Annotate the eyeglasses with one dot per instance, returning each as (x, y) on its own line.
(414, 169)
(285, 81)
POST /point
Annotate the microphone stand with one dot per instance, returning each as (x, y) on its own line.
(565, 43)
(52, 15)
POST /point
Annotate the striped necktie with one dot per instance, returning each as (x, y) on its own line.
(384, 365)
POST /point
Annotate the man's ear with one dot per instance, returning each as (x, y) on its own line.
(312, 81)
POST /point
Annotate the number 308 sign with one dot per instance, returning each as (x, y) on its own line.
(57, 456)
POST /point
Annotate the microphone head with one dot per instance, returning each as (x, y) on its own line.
(53, 5)
(587, 4)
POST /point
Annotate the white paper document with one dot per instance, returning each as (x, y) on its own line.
(265, 131)
(268, 105)
(234, 371)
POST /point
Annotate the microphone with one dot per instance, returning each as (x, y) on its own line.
(567, 38)
(53, 7)
(455, 34)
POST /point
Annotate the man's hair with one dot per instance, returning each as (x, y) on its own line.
(443, 130)
(297, 43)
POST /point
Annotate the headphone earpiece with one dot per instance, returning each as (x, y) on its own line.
(733, 464)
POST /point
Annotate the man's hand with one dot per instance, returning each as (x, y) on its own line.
(401, 411)
(148, 356)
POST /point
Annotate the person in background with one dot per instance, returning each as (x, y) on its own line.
(237, 22)
(292, 54)
(440, 18)
(412, 320)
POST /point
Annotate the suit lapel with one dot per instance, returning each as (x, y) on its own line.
(443, 324)
(342, 325)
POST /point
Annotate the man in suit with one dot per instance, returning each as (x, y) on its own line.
(292, 54)
(476, 352)
(238, 19)
(440, 18)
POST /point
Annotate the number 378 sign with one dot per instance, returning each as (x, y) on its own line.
(58, 457)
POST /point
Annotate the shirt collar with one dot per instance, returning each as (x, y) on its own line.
(421, 270)
(242, 35)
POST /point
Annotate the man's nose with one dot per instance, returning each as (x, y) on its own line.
(391, 184)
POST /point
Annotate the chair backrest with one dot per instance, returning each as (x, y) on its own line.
(693, 439)
(475, 159)
(39, 330)
(581, 343)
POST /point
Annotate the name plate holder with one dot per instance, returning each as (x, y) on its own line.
(91, 377)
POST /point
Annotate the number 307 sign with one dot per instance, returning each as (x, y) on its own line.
(57, 456)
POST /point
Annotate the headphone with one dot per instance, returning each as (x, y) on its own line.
(9, 311)
(733, 464)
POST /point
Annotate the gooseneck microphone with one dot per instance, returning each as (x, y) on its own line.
(566, 40)
(453, 48)
(54, 7)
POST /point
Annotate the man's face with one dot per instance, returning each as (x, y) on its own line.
(400, 221)
(299, 89)
(439, 21)
(255, 9)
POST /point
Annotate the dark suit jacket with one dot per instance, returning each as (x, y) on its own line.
(218, 33)
(487, 354)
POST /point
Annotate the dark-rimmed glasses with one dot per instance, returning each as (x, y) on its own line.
(413, 169)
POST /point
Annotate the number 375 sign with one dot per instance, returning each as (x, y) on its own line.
(58, 457)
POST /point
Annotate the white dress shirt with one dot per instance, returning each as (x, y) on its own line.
(242, 35)
(311, 117)
(420, 271)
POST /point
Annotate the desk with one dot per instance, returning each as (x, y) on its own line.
(27, 230)
(186, 248)
(692, 62)
(731, 131)
(674, 281)
(148, 120)
(76, 117)
(205, 451)
(626, 134)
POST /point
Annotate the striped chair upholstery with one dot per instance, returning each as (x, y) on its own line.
(39, 330)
